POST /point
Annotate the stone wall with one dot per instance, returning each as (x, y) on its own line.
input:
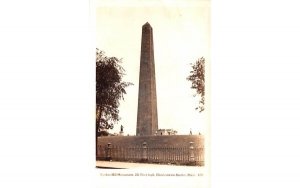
(159, 141)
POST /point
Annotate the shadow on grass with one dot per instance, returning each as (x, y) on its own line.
(103, 167)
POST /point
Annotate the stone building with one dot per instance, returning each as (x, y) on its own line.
(166, 132)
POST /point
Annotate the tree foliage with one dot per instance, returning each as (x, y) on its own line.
(197, 77)
(109, 90)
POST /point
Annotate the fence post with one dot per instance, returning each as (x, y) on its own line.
(108, 152)
(191, 153)
(144, 156)
(98, 152)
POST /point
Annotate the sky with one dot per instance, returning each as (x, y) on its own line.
(181, 35)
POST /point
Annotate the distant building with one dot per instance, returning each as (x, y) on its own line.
(166, 132)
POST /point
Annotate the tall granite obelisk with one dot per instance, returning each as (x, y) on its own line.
(147, 105)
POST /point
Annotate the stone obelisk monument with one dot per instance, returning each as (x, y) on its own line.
(147, 104)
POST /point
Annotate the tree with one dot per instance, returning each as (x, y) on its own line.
(197, 77)
(109, 90)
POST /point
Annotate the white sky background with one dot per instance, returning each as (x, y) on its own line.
(181, 36)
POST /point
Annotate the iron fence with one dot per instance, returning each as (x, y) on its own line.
(173, 155)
